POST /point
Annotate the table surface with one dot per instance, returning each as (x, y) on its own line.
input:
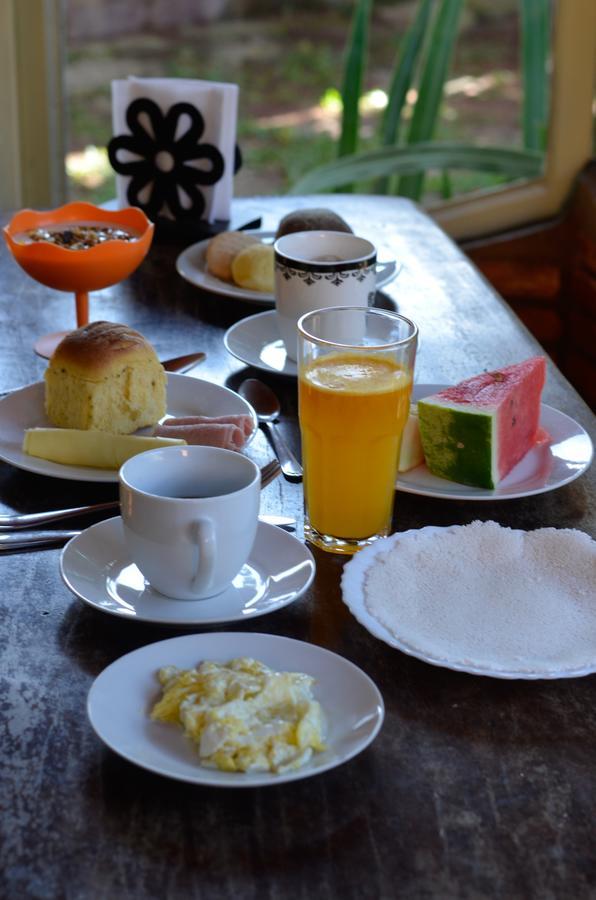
(475, 787)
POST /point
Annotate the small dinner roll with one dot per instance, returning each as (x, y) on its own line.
(222, 249)
(315, 219)
(105, 377)
(252, 268)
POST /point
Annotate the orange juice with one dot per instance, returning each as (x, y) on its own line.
(353, 409)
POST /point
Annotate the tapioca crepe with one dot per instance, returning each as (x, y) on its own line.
(486, 596)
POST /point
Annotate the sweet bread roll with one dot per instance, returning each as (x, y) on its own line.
(222, 249)
(316, 219)
(252, 268)
(105, 377)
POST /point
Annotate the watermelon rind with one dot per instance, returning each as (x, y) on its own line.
(411, 453)
(458, 443)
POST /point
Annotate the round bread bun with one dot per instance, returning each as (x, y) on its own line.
(316, 219)
(105, 377)
(222, 249)
(252, 268)
(99, 349)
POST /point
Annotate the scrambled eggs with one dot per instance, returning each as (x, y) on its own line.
(243, 715)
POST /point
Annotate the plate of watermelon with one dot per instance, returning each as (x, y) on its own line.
(485, 432)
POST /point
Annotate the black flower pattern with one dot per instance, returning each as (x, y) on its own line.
(336, 276)
(163, 160)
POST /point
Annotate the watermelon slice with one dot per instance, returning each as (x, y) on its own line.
(476, 431)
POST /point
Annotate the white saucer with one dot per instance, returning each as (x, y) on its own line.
(186, 396)
(547, 466)
(96, 567)
(256, 341)
(121, 698)
(192, 266)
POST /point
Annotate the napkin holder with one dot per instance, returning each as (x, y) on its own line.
(157, 165)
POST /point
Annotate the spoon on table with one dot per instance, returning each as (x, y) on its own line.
(266, 405)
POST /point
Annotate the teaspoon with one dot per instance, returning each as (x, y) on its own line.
(266, 405)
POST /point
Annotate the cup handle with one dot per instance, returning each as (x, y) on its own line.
(204, 536)
(385, 270)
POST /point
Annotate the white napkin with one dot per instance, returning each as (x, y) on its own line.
(218, 104)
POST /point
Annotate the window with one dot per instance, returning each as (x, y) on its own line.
(570, 136)
(33, 103)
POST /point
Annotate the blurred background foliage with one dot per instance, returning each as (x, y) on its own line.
(318, 79)
(398, 165)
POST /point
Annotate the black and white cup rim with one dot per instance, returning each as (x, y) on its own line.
(284, 260)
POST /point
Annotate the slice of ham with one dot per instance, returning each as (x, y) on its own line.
(211, 433)
(245, 423)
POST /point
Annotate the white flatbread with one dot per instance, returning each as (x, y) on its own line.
(484, 597)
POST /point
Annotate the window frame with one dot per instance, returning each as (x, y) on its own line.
(32, 145)
(571, 113)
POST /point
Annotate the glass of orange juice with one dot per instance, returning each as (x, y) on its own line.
(355, 373)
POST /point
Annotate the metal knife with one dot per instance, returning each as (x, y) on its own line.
(35, 540)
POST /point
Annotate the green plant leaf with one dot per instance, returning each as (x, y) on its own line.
(438, 57)
(353, 77)
(401, 80)
(535, 40)
(362, 167)
(403, 72)
(446, 186)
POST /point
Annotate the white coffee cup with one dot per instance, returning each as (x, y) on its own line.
(190, 516)
(317, 269)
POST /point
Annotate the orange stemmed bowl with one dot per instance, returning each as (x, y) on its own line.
(84, 270)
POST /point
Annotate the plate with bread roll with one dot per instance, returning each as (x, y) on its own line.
(105, 397)
(240, 264)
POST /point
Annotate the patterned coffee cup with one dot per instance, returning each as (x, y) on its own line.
(317, 269)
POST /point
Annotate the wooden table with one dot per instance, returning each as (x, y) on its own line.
(475, 787)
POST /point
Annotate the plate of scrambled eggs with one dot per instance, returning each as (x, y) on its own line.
(234, 709)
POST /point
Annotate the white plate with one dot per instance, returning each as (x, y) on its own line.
(546, 467)
(540, 625)
(256, 341)
(97, 567)
(192, 266)
(122, 696)
(24, 409)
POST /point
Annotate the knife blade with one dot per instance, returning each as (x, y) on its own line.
(178, 364)
(183, 363)
(35, 540)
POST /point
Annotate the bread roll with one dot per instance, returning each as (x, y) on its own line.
(252, 268)
(105, 377)
(316, 219)
(222, 249)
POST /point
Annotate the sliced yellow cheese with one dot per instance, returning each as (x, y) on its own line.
(411, 454)
(98, 449)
